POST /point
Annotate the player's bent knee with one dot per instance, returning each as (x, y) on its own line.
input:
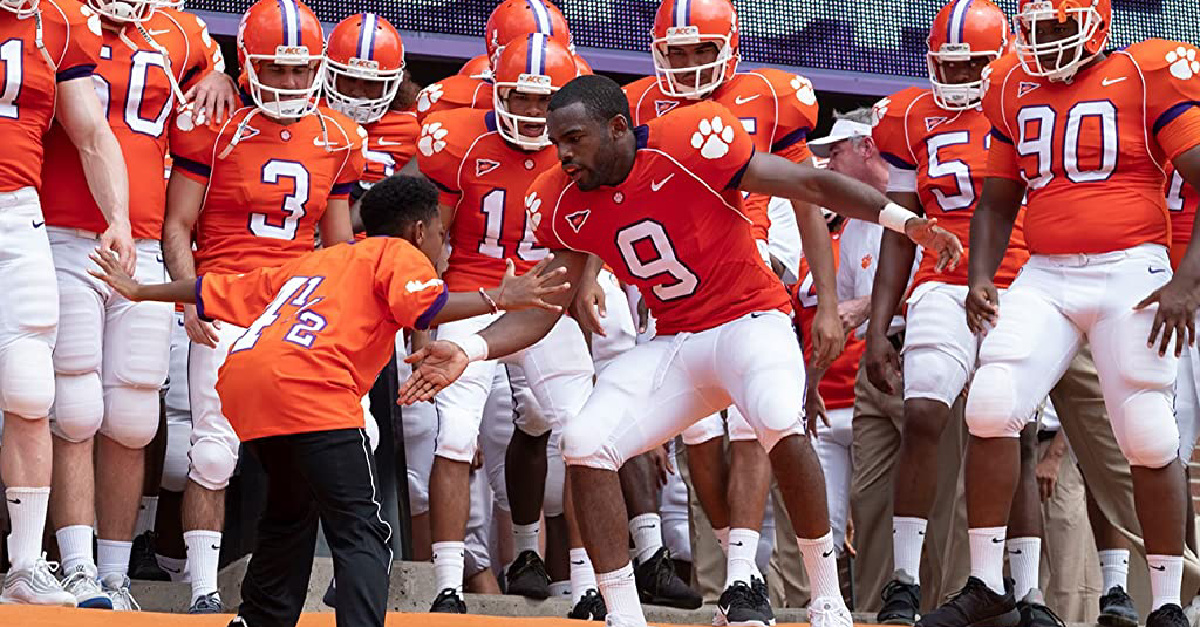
(175, 461)
(581, 447)
(706, 430)
(932, 374)
(212, 464)
(456, 442)
(78, 406)
(925, 418)
(131, 415)
(1150, 435)
(27, 379)
(991, 406)
(418, 493)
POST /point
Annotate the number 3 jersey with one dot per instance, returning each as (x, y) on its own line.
(319, 329)
(942, 157)
(675, 228)
(1093, 151)
(136, 92)
(268, 183)
(483, 178)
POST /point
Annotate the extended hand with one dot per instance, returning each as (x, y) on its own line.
(118, 239)
(214, 95)
(590, 306)
(926, 233)
(527, 290)
(829, 338)
(814, 410)
(114, 274)
(1176, 315)
(435, 367)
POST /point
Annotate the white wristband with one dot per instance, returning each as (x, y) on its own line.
(474, 346)
(894, 217)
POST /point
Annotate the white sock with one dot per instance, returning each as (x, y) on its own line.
(583, 577)
(1166, 576)
(739, 562)
(1024, 560)
(75, 547)
(621, 595)
(112, 557)
(908, 538)
(204, 557)
(176, 568)
(1114, 566)
(147, 512)
(560, 589)
(723, 539)
(525, 537)
(987, 556)
(27, 511)
(820, 562)
(448, 565)
(647, 535)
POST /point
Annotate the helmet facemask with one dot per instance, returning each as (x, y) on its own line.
(687, 82)
(509, 123)
(284, 102)
(953, 96)
(124, 11)
(1068, 53)
(363, 110)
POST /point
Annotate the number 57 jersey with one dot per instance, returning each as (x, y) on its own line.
(675, 226)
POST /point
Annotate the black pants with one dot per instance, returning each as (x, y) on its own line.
(327, 476)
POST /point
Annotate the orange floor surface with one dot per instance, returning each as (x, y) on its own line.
(62, 617)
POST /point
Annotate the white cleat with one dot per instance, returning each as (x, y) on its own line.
(117, 588)
(81, 583)
(829, 612)
(35, 585)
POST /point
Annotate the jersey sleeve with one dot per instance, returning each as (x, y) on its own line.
(356, 161)
(192, 143)
(797, 109)
(82, 50)
(207, 55)
(454, 92)
(1003, 161)
(540, 200)
(238, 298)
(890, 122)
(709, 139)
(409, 284)
(440, 150)
(1172, 74)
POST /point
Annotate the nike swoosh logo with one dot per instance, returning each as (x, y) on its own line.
(655, 186)
(1159, 568)
(37, 224)
(1113, 81)
(159, 258)
(743, 100)
(827, 554)
(216, 548)
(579, 563)
(15, 501)
(997, 540)
(1016, 552)
(641, 527)
(384, 142)
(1156, 270)
(155, 33)
(738, 544)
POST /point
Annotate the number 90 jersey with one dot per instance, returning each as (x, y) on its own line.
(268, 183)
(483, 178)
(942, 157)
(1093, 151)
(675, 227)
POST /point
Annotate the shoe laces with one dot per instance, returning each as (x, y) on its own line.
(43, 571)
(738, 594)
(1114, 595)
(1046, 612)
(897, 588)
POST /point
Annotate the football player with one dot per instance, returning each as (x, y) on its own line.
(724, 334)
(254, 189)
(1073, 125)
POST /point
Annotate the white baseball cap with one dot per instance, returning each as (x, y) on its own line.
(842, 130)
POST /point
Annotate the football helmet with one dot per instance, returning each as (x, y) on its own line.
(170, 4)
(124, 10)
(517, 18)
(366, 47)
(685, 22)
(534, 64)
(1093, 18)
(478, 67)
(22, 8)
(283, 32)
(964, 30)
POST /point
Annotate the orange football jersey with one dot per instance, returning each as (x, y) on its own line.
(484, 179)
(70, 36)
(319, 329)
(268, 183)
(776, 108)
(946, 153)
(1183, 201)
(837, 386)
(198, 35)
(1092, 150)
(453, 92)
(139, 102)
(391, 143)
(675, 227)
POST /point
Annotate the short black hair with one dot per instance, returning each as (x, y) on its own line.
(601, 96)
(397, 202)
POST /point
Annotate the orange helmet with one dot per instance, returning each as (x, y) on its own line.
(1093, 18)
(517, 18)
(536, 65)
(964, 30)
(284, 32)
(22, 8)
(478, 67)
(685, 22)
(367, 47)
(583, 65)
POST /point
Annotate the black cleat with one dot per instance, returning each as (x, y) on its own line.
(1037, 615)
(590, 607)
(1116, 609)
(743, 606)
(658, 584)
(764, 598)
(1169, 615)
(448, 602)
(143, 566)
(330, 597)
(976, 605)
(527, 577)
(901, 602)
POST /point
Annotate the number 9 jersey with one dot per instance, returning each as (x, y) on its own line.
(1093, 150)
(268, 183)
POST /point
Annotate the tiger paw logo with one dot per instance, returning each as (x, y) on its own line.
(804, 91)
(189, 118)
(433, 139)
(533, 207)
(93, 20)
(713, 138)
(429, 96)
(1184, 64)
(879, 111)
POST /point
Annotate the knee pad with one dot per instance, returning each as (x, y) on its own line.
(27, 378)
(739, 430)
(581, 447)
(212, 463)
(556, 477)
(420, 431)
(932, 374)
(456, 439)
(1148, 436)
(78, 406)
(175, 460)
(130, 415)
(706, 430)
(991, 407)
